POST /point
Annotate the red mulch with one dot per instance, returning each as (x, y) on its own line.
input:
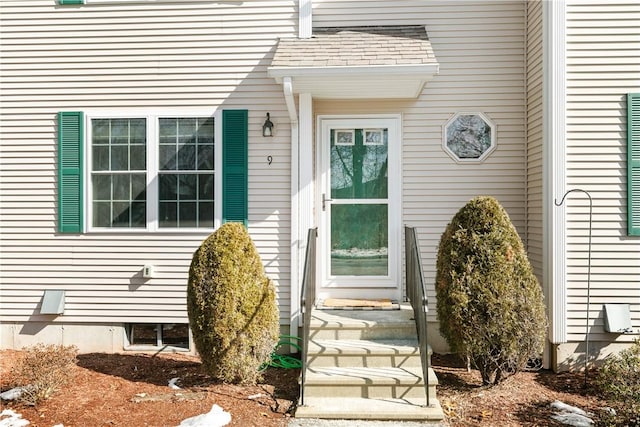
(132, 390)
(520, 400)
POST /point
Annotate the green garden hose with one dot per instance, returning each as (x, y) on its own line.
(285, 361)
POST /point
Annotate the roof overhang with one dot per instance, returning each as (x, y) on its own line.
(358, 82)
(361, 62)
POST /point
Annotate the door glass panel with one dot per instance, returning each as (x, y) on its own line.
(359, 163)
(359, 211)
(359, 240)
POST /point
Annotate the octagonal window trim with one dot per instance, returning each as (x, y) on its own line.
(448, 140)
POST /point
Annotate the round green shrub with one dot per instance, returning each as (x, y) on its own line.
(490, 305)
(618, 380)
(232, 306)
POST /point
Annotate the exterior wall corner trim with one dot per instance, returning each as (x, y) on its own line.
(554, 176)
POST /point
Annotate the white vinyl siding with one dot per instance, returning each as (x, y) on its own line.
(151, 57)
(534, 130)
(603, 65)
(481, 51)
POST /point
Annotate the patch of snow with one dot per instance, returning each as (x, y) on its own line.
(563, 407)
(575, 420)
(254, 396)
(14, 419)
(217, 417)
(12, 394)
(570, 415)
(173, 385)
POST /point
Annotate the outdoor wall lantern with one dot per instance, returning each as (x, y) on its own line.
(267, 127)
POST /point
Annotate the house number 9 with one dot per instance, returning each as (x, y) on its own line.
(269, 159)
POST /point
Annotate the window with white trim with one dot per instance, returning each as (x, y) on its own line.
(469, 137)
(152, 172)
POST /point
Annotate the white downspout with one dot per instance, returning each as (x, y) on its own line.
(294, 317)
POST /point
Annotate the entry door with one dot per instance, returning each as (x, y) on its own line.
(359, 204)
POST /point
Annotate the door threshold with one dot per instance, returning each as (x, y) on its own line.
(357, 304)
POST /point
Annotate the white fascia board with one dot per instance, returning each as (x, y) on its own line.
(143, 1)
(380, 88)
(425, 71)
(404, 81)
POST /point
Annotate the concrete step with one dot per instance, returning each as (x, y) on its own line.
(364, 353)
(366, 365)
(363, 324)
(372, 383)
(370, 409)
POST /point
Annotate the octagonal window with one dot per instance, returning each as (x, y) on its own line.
(469, 137)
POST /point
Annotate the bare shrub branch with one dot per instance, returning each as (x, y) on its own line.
(42, 370)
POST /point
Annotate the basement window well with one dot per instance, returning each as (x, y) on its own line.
(170, 336)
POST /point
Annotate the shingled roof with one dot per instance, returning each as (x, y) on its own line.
(356, 62)
(356, 46)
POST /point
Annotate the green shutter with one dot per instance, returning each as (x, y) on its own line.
(70, 141)
(633, 163)
(64, 2)
(234, 166)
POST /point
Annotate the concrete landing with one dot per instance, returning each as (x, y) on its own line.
(363, 318)
(362, 423)
(369, 409)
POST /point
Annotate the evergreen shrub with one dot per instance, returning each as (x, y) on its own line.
(490, 305)
(232, 306)
(618, 380)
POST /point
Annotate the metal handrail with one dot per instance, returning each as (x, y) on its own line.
(307, 301)
(417, 295)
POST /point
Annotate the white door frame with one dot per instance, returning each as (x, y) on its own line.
(389, 286)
